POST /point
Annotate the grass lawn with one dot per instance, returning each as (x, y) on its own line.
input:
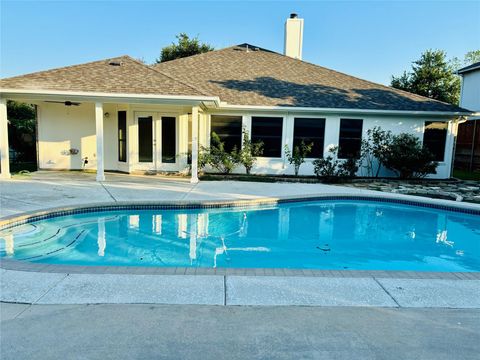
(466, 175)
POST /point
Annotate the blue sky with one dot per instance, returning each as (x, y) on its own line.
(367, 39)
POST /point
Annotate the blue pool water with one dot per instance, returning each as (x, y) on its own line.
(340, 234)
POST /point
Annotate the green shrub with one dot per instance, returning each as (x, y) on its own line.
(329, 167)
(298, 155)
(408, 158)
(349, 167)
(249, 152)
(218, 158)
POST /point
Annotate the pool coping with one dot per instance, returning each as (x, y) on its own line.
(26, 217)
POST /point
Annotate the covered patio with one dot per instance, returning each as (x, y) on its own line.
(88, 132)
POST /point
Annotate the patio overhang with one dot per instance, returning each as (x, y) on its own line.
(196, 103)
(94, 97)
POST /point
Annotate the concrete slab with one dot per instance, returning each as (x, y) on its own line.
(214, 332)
(434, 292)
(26, 287)
(11, 311)
(136, 289)
(252, 290)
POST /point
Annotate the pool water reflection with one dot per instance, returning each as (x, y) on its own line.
(340, 234)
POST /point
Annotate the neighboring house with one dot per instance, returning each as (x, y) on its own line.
(467, 150)
(123, 115)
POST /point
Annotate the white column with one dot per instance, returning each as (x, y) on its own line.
(247, 125)
(4, 155)
(99, 135)
(194, 178)
(288, 128)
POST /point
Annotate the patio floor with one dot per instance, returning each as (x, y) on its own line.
(47, 189)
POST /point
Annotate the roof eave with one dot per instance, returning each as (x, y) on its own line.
(42, 94)
(468, 69)
(341, 110)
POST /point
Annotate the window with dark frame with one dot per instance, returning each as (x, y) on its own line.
(122, 136)
(169, 139)
(310, 130)
(269, 131)
(434, 138)
(350, 140)
(229, 130)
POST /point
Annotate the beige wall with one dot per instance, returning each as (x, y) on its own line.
(61, 128)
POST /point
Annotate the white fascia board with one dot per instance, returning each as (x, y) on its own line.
(106, 97)
(285, 109)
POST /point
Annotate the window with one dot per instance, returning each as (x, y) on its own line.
(169, 143)
(145, 139)
(269, 131)
(350, 140)
(228, 129)
(434, 138)
(122, 136)
(310, 130)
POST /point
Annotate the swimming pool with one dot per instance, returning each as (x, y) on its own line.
(322, 234)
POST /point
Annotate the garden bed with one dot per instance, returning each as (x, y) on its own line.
(451, 189)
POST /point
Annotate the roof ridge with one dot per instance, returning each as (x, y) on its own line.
(67, 67)
(169, 76)
(201, 54)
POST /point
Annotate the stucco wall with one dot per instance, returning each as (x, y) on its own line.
(397, 125)
(62, 128)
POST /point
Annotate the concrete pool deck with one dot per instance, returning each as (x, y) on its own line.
(50, 284)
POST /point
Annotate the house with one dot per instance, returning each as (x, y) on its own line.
(467, 150)
(120, 114)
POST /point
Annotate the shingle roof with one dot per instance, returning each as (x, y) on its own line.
(248, 75)
(475, 66)
(239, 75)
(116, 75)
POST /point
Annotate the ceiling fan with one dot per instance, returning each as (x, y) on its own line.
(66, 103)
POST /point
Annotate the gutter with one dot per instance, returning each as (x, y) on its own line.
(110, 97)
(293, 109)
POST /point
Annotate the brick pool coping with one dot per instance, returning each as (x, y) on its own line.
(18, 265)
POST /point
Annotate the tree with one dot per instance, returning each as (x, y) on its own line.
(431, 76)
(249, 152)
(470, 58)
(183, 48)
(374, 148)
(298, 155)
(21, 133)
